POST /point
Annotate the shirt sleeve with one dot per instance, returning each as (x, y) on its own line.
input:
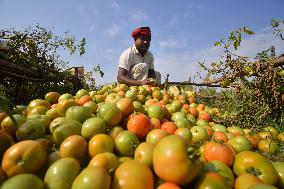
(124, 61)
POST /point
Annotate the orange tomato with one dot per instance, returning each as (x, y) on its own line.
(169, 126)
(140, 125)
(27, 156)
(73, 146)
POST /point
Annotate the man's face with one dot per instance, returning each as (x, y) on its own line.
(142, 43)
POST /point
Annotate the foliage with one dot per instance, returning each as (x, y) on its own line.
(253, 85)
(38, 49)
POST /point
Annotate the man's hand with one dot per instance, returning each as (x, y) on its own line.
(149, 81)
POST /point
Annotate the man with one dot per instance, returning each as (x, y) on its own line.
(136, 64)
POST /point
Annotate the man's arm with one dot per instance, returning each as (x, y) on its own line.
(122, 78)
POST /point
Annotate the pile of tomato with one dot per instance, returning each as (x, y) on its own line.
(123, 137)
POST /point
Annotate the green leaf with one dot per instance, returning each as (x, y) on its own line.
(217, 44)
(248, 31)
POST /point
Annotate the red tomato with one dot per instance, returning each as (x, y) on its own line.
(217, 151)
(140, 125)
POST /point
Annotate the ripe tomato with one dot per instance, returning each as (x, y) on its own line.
(171, 162)
(168, 185)
(23, 157)
(218, 151)
(84, 99)
(73, 146)
(169, 127)
(125, 105)
(92, 177)
(100, 143)
(107, 160)
(140, 125)
(133, 174)
(254, 163)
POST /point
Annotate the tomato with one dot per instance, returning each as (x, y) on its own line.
(125, 105)
(52, 114)
(168, 185)
(265, 135)
(125, 143)
(210, 180)
(268, 146)
(218, 151)
(43, 119)
(38, 102)
(177, 115)
(138, 107)
(23, 181)
(202, 122)
(100, 143)
(73, 146)
(155, 111)
(240, 143)
(185, 134)
(107, 160)
(262, 186)
(62, 173)
(62, 128)
(140, 125)
(114, 131)
(256, 164)
(6, 140)
(155, 123)
(218, 127)
(110, 113)
(93, 126)
(81, 92)
(23, 157)
(236, 131)
(112, 98)
(253, 140)
(219, 136)
(92, 177)
(65, 96)
(52, 97)
(84, 99)
(155, 135)
(204, 116)
(171, 162)
(169, 127)
(144, 153)
(63, 105)
(78, 113)
(31, 130)
(199, 134)
(9, 126)
(133, 174)
(222, 169)
(279, 167)
(246, 180)
(183, 123)
(92, 105)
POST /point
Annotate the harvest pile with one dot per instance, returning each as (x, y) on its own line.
(132, 137)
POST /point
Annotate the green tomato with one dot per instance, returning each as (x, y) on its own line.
(23, 181)
(62, 173)
(256, 164)
(30, 130)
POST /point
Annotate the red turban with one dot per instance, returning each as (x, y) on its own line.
(143, 31)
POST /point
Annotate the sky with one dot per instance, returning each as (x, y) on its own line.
(183, 31)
